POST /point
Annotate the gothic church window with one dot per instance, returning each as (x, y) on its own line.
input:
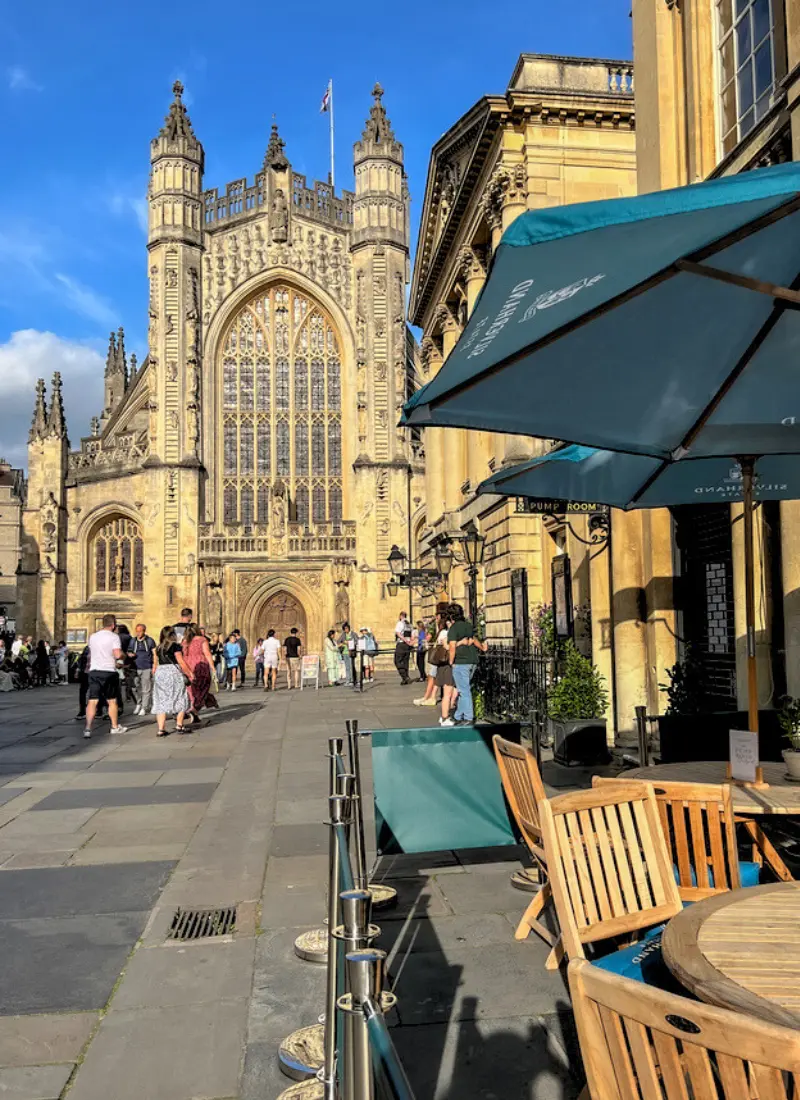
(280, 385)
(116, 555)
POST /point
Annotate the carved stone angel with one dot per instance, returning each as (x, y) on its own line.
(279, 218)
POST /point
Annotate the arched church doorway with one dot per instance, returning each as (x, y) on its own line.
(280, 613)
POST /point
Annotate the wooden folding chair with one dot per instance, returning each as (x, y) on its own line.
(699, 826)
(638, 1041)
(524, 790)
(609, 868)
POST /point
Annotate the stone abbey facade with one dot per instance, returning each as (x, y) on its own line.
(250, 467)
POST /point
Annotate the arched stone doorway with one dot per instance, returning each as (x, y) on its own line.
(280, 613)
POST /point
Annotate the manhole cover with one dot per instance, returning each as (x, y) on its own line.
(202, 924)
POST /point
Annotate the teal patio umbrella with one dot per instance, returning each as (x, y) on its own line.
(664, 325)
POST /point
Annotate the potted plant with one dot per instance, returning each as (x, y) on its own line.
(789, 720)
(576, 707)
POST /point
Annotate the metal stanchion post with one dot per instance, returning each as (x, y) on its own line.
(644, 746)
(365, 982)
(357, 933)
(312, 946)
(382, 895)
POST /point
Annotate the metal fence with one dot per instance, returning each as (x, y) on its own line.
(511, 684)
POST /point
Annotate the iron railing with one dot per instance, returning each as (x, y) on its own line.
(511, 685)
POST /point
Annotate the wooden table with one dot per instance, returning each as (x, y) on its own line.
(780, 797)
(741, 950)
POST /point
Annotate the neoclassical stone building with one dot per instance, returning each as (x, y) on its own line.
(250, 467)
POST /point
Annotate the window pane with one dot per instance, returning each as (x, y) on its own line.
(300, 384)
(282, 384)
(747, 122)
(247, 506)
(301, 448)
(729, 109)
(744, 82)
(246, 449)
(744, 43)
(100, 565)
(301, 505)
(263, 458)
(262, 385)
(334, 385)
(739, 7)
(725, 16)
(246, 384)
(319, 504)
(113, 564)
(229, 383)
(727, 60)
(282, 441)
(336, 504)
(763, 63)
(318, 449)
(229, 446)
(229, 509)
(317, 385)
(263, 503)
(138, 565)
(125, 565)
(761, 20)
(334, 447)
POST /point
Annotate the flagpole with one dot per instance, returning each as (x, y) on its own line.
(333, 178)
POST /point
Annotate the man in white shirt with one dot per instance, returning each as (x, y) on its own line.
(402, 627)
(104, 652)
(272, 658)
(16, 646)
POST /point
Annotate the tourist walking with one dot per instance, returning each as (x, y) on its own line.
(293, 645)
(370, 648)
(422, 649)
(258, 657)
(272, 659)
(41, 666)
(402, 650)
(197, 654)
(103, 680)
(140, 652)
(232, 656)
(464, 648)
(333, 659)
(169, 686)
(217, 647)
(242, 656)
(180, 627)
(62, 663)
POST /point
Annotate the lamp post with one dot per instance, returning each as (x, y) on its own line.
(474, 544)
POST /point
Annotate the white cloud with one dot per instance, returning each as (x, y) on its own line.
(20, 80)
(82, 299)
(30, 354)
(123, 205)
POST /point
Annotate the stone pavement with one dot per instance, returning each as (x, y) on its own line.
(100, 843)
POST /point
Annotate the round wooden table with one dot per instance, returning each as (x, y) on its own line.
(749, 803)
(741, 950)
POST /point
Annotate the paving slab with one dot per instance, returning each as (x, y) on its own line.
(7, 793)
(123, 838)
(194, 1053)
(37, 1040)
(46, 821)
(197, 973)
(65, 964)
(71, 891)
(127, 796)
(92, 780)
(302, 811)
(300, 840)
(34, 1082)
(179, 776)
(484, 892)
(134, 818)
(118, 764)
(130, 853)
(25, 861)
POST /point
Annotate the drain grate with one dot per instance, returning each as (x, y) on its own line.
(202, 924)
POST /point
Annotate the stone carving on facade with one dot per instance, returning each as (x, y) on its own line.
(443, 319)
(381, 486)
(470, 263)
(427, 350)
(214, 609)
(245, 582)
(170, 278)
(125, 450)
(192, 296)
(279, 510)
(381, 371)
(279, 217)
(312, 578)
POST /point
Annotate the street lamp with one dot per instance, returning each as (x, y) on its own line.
(444, 559)
(392, 587)
(474, 544)
(397, 561)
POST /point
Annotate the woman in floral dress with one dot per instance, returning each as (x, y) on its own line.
(198, 657)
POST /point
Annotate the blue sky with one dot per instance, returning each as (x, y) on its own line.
(84, 87)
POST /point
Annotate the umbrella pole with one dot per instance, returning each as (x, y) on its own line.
(747, 465)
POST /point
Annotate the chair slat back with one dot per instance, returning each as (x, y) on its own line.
(524, 789)
(639, 1042)
(608, 863)
(699, 825)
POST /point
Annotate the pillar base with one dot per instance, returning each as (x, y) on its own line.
(301, 1054)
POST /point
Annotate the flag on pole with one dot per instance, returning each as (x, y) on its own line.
(326, 100)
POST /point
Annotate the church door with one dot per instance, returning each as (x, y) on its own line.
(280, 613)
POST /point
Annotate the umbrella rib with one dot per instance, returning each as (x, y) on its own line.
(743, 362)
(659, 470)
(739, 234)
(773, 290)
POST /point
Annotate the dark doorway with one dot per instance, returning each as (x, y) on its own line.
(704, 594)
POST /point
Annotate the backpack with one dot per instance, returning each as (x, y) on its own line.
(370, 645)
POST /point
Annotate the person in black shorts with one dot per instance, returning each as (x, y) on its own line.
(293, 645)
(104, 686)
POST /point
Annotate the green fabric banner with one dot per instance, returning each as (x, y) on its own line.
(437, 789)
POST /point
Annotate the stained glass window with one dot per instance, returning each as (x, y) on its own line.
(281, 363)
(117, 557)
(246, 506)
(319, 504)
(301, 447)
(301, 505)
(263, 456)
(283, 454)
(246, 448)
(318, 448)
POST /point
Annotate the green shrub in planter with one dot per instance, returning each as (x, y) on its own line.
(581, 691)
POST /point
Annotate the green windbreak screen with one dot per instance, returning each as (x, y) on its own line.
(437, 789)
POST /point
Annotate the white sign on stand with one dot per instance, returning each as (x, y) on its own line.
(309, 670)
(743, 755)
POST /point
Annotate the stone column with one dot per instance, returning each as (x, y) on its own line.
(513, 184)
(455, 450)
(433, 439)
(602, 626)
(790, 555)
(630, 647)
(763, 643)
(661, 619)
(481, 447)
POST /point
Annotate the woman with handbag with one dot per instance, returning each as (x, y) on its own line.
(201, 663)
(440, 659)
(169, 686)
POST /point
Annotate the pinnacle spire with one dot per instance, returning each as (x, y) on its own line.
(275, 156)
(122, 362)
(177, 123)
(111, 357)
(378, 129)
(39, 422)
(56, 421)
